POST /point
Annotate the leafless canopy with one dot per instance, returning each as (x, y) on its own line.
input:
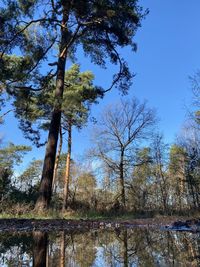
(124, 127)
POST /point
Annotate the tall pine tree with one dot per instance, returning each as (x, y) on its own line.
(31, 30)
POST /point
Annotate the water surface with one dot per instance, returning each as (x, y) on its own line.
(101, 248)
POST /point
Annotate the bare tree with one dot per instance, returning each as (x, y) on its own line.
(124, 126)
(160, 161)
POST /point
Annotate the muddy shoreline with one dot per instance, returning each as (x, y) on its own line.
(46, 225)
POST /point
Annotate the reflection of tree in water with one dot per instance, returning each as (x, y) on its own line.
(126, 247)
(62, 250)
(40, 256)
(82, 249)
(139, 247)
(173, 248)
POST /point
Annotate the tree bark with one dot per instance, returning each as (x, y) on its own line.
(67, 170)
(55, 173)
(45, 191)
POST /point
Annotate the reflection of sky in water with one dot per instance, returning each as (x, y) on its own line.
(13, 261)
(103, 248)
(99, 261)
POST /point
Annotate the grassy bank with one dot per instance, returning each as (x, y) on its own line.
(92, 215)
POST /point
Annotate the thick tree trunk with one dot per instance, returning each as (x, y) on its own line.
(45, 190)
(121, 177)
(39, 249)
(67, 170)
(55, 173)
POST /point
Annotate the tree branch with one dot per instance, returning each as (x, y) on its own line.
(22, 30)
(43, 55)
(4, 114)
(119, 74)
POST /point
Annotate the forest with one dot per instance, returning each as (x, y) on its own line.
(128, 168)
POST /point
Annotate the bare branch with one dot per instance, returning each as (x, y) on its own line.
(4, 114)
(43, 55)
(22, 30)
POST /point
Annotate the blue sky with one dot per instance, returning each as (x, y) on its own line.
(168, 52)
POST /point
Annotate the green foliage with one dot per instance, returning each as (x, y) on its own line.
(34, 108)
(99, 26)
(79, 94)
(10, 156)
(143, 165)
(140, 185)
(5, 181)
(178, 158)
(30, 178)
(86, 182)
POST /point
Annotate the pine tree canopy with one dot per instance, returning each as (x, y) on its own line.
(30, 34)
(33, 108)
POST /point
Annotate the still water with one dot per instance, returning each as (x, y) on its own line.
(101, 248)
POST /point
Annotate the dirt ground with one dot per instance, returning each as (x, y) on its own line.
(63, 224)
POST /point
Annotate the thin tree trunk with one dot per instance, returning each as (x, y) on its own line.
(45, 190)
(181, 192)
(67, 170)
(62, 250)
(125, 248)
(55, 173)
(121, 169)
(47, 255)
(162, 186)
(190, 181)
(74, 195)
